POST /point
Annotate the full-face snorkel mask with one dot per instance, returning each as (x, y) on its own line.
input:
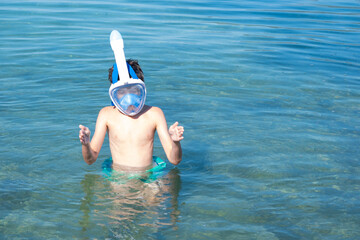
(129, 93)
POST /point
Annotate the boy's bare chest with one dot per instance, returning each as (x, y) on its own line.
(125, 129)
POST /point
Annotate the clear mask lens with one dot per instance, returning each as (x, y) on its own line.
(129, 98)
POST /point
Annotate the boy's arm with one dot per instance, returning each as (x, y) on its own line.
(170, 140)
(90, 150)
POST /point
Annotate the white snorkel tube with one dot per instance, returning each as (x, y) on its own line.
(117, 45)
(129, 93)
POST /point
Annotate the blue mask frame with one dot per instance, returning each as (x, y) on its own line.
(115, 75)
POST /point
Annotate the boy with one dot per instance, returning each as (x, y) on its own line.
(131, 138)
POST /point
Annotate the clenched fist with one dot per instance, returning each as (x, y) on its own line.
(176, 132)
(84, 135)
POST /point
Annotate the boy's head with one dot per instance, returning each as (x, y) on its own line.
(135, 66)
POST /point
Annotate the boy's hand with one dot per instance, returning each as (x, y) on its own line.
(176, 132)
(84, 135)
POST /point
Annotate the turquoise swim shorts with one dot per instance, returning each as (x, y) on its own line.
(147, 176)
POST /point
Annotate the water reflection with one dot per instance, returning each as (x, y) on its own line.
(129, 208)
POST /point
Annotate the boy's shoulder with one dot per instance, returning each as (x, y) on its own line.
(107, 109)
(153, 111)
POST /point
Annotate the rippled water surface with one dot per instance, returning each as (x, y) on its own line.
(268, 92)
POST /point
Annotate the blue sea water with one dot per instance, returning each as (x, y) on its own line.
(268, 93)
